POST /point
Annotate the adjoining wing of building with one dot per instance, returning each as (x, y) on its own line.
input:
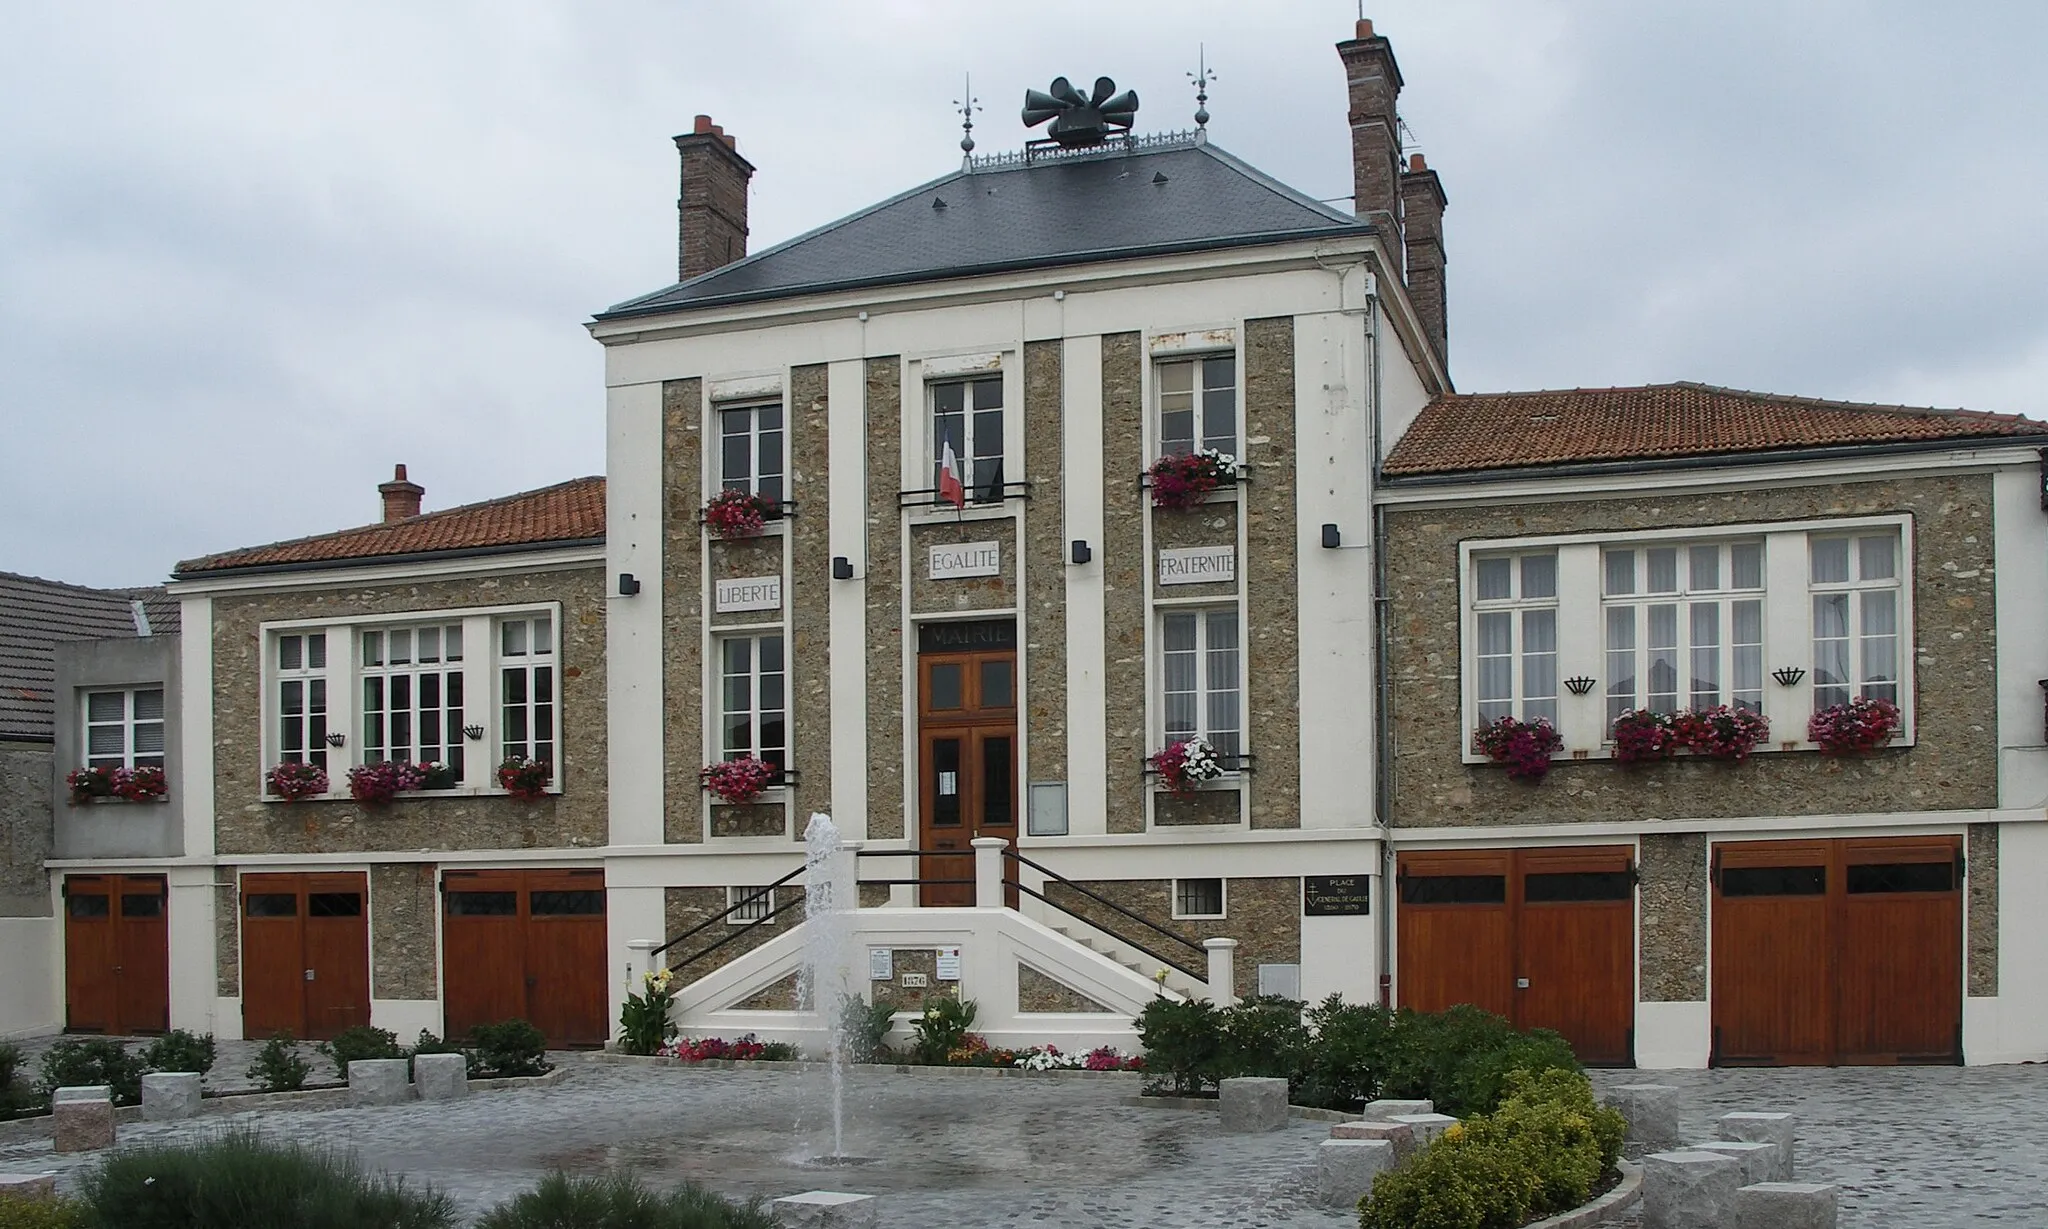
(1384, 567)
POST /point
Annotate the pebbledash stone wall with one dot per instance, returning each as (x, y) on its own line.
(1953, 766)
(1673, 874)
(682, 603)
(808, 596)
(1123, 578)
(1981, 858)
(1272, 634)
(246, 824)
(403, 902)
(929, 597)
(1263, 915)
(1044, 622)
(227, 932)
(26, 830)
(881, 581)
(1039, 994)
(683, 908)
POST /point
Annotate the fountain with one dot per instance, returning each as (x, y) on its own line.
(827, 977)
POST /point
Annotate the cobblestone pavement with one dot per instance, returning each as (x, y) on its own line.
(943, 1150)
(1910, 1147)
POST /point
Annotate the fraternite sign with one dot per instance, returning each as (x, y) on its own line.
(954, 560)
(746, 593)
(1198, 565)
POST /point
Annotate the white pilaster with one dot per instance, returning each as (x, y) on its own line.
(633, 625)
(847, 529)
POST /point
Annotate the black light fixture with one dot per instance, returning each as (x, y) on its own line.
(1579, 685)
(629, 584)
(1333, 537)
(335, 740)
(474, 733)
(1078, 551)
(842, 568)
(1789, 676)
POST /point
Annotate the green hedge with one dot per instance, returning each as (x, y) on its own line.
(1338, 1055)
(1545, 1150)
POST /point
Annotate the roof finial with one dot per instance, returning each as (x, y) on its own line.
(967, 104)
(1202, 76)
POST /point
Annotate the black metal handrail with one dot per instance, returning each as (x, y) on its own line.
(729, 911)
(687, 961)
(1055, 877)
(1244, 761)
(928, 497)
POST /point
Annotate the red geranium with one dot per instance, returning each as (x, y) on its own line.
(1856, 728)
(740, 780)
(524, 778)
(1184, 480)
(293, 781)
(739, 514)
(1723, 732)
(1640, 734)
(1524, 746)
(377, 784)
(144, 784)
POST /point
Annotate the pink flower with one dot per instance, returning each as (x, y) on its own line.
(740, 780)
(1856, 728)
(739, 514)
(1524, 746)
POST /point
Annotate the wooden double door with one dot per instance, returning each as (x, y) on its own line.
(117, 955)
(527, 945)
(1837, 952)
(1544, 937)
(305, 954)
(967, 753)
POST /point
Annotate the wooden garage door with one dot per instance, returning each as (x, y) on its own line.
(1845, 951)
(1544, 937)
(116, 954)
(305, 954)
(527, 945)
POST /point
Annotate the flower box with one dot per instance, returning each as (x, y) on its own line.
(90, 785)
(739, 780)
(1184, 480)
(1723, 732)
(378, 784)
(1524, 746)
(294, 781)
(1640, 735)
(739, 514)
(1856, 728)
(1184, 765)
(523, 778)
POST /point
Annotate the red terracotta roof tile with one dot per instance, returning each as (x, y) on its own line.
(1488, 431)
(567, 512)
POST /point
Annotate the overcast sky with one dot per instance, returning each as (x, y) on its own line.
(253, 254)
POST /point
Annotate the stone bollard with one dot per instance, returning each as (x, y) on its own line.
(1345, 1169)
(1384, 1111)
(378, 1081)
(1399, 1134)
(1425, 1126)
(170, 1095)
(1785, 1205)
(1252, 1103)
(1757, 1160)
(1652, 1113)
(827, 1210)
(28, 1186)
(82, 1119)
(440, 1077)
(1689, 1190)
(1780, 1130)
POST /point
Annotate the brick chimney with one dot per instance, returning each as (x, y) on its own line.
(401, 497)
(712, 211)
(1422, 227)
(1375, 83)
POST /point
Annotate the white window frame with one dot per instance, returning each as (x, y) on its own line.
(482, 690)
(1198, 364)
(1686, 594)
(719, 712)
(502, 666)
(1788, 600)
(752, 915)
(1525, 699)
(750, 482)
(1858, 590)
(127, 723)
(314, 748)
(1222, 898)
(975, 448)
(414, 670)
(1201, 612)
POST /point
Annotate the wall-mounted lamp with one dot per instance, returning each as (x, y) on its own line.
(1333, 537)
(842, 568)
(474, 733)
(1789, 676)
(335, 740)
(1580, 685)
(629, 584)
(1078, 551)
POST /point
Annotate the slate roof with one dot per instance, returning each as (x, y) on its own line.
(35, 616)
(570, 511)
(1110, 205)
(1476, 432)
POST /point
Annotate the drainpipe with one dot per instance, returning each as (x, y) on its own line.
(1383, 751)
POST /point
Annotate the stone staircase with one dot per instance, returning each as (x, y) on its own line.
(1103, 944)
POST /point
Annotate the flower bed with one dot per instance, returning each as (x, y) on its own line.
(1524, 746)
(746, 1049)
(89, 785)
(1184, 480)
(1856, 728)
(1185, 764)
(739, 514)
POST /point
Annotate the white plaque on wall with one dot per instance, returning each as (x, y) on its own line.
(957, 559)
(1198, 565)
(746, 593)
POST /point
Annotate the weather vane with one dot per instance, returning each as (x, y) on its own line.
(967, 104)
(1202, 76)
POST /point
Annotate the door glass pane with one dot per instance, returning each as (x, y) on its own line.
(995, 685)
(1454, 889)
(945, 769)
(483, 904)
(90, 906)
(1774, 881)
(1578, 885)
(997, 804)
(567, 904)
(271, 904)
(334, 904)
(1902, 877)
(945, 685)
(142, 904)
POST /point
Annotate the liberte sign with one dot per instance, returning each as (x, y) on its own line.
(956, 560)
(747, 593)
(1198, 565)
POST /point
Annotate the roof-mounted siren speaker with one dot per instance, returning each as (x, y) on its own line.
(1078, 120)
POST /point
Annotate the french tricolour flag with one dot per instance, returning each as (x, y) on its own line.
(950, 488)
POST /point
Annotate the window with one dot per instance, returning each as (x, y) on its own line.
(1515, 636)
(1197, 898)
(750, 450)
(1198, 405)
(1200, 669)
(1684, 626)
(124, 729)
(526, 673)
(1855, 618)
(753, 705)
(745, 911)
(968, 415)
(302, 699)
(412, 695)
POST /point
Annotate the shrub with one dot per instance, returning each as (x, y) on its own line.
(780, 1052)
(84, 1061)
(942, 1029)
(238, 1181)
(644, 1023)
(10, 1062)
(865, 1027)
(360, 1042)
(41, 1213)
(278, 1066)
(1182, 1042)
(428, 1043)
(618, 1201)
(507, 1048)
(1343, 1067)
(179, 1050)
(1263, 1035)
